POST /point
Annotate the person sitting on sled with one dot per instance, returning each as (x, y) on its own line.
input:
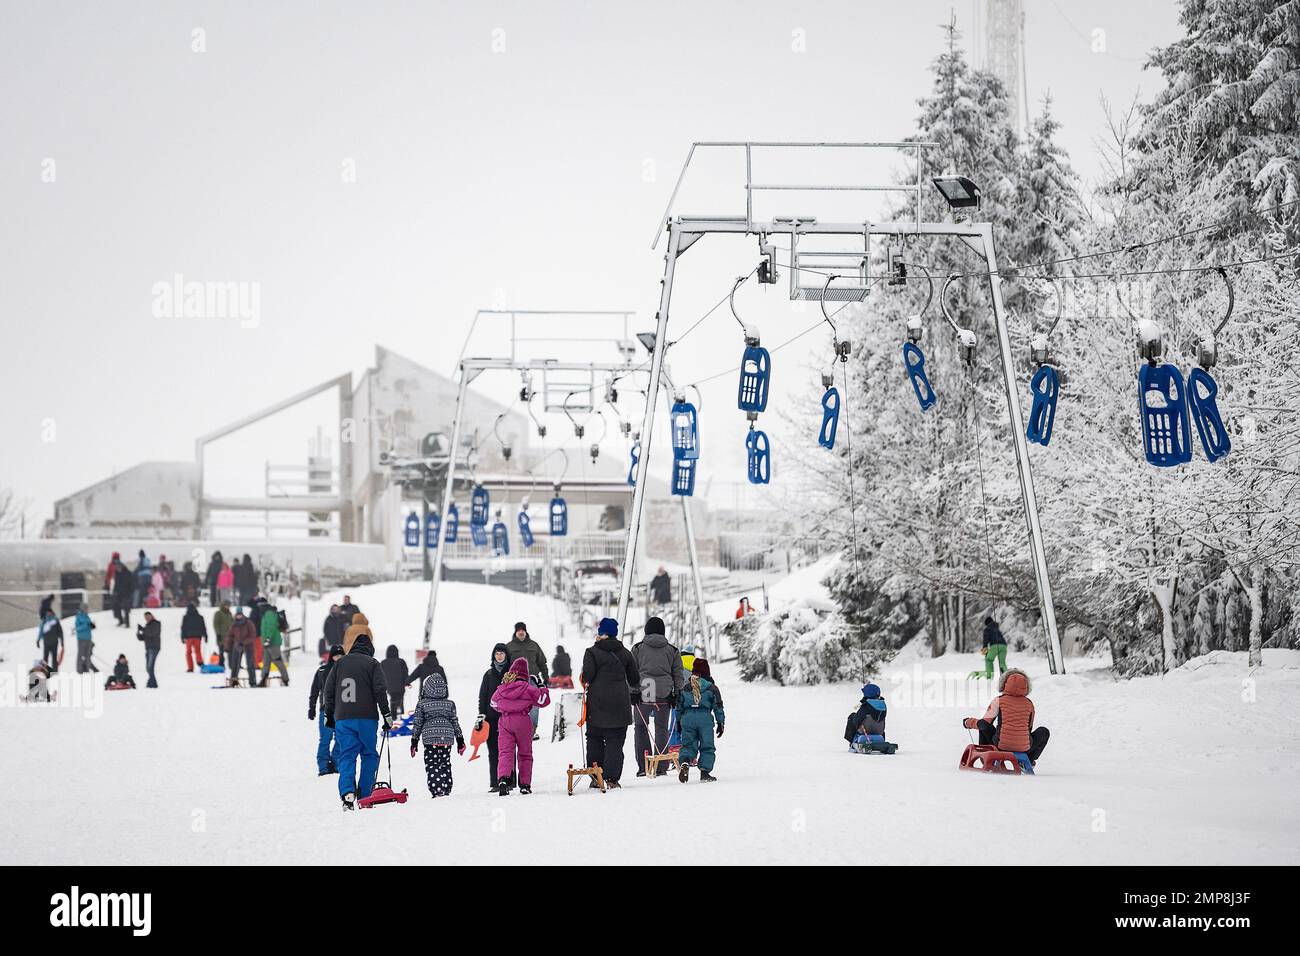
(121, 676)
(698, 705)
(435, 723)
(1008, 724)
(866, 725)
(514, 700)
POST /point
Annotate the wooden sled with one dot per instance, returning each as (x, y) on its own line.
(586, 772)
(654, 762)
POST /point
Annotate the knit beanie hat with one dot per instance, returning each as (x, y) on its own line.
(608, 627)
(654, 626)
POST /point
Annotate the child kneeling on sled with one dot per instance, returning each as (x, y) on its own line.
(435, 723)
(514, 700)
(866, 725)
(1008, 724)
(699, 704)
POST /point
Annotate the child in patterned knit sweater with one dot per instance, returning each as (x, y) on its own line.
(435, 723)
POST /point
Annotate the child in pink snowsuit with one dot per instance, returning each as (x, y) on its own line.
(514, 700)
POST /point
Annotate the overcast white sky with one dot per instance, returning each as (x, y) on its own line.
(516, 176)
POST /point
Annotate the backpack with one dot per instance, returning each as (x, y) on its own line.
(851, 727)
(284, 621)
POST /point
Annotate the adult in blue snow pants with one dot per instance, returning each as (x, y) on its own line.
(355, 737)
(327, 750)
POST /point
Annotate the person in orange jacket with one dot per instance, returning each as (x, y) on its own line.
(1008, 724)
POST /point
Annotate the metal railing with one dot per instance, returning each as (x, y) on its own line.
(916, 187)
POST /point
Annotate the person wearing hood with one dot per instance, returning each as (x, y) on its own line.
(241, 644)
(121, 676)
(359, 625)
(190, 583)
(47, 606)
(698, 706)
(514, 699)
(85, 642)
(272, 643)
(436, 726)
(395, 675)
(150, 632)
(325, 763)
(1008, 724)
(561, 669)
(866, 725)
(662, 678)
(245, 580)
(355, 699)
(994, 648)
(522, 647)
(610, 676)
(194, 632)
(49, 637)
(486, 688)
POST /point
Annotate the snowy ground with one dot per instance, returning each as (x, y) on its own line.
(1199, 767)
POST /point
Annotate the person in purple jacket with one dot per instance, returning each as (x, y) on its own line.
(514, 701)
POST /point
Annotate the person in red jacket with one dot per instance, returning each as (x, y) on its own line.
(1008, 724)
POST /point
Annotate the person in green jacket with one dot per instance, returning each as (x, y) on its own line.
(222, 622)
(995, 648)
(698, 705)
(271, 643)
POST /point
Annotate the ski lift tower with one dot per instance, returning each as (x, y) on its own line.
(844, 246)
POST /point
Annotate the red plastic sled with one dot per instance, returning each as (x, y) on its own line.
(382, 793)
(989, 759)
(478, 738)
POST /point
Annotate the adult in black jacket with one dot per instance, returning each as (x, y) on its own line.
(190, 583)
(661, 587)
(151, 633)
(355, 696)
(324, 752)
(395, 674)
(123, 594)
(491, 681)
(427, 667)
(610, 676)
(561, 666)
(348, 608)
(213, 571)
(245, 580)
(335, 626)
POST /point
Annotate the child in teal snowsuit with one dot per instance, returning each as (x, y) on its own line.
(699, 704)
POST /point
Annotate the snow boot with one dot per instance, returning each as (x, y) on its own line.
(706, 777)
(684, 772)
(640, 773)
(331, 768)
(613, 785)
(349, 801)
(503, 788)
(525, 789)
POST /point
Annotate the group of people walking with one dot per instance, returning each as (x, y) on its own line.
(355, 696)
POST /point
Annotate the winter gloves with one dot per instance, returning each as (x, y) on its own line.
(719, 731)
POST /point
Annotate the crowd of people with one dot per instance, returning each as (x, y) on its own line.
(669, 695)
(254, 639)
(156, 584)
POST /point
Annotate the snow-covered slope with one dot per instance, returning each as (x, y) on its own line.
(1198, 767)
